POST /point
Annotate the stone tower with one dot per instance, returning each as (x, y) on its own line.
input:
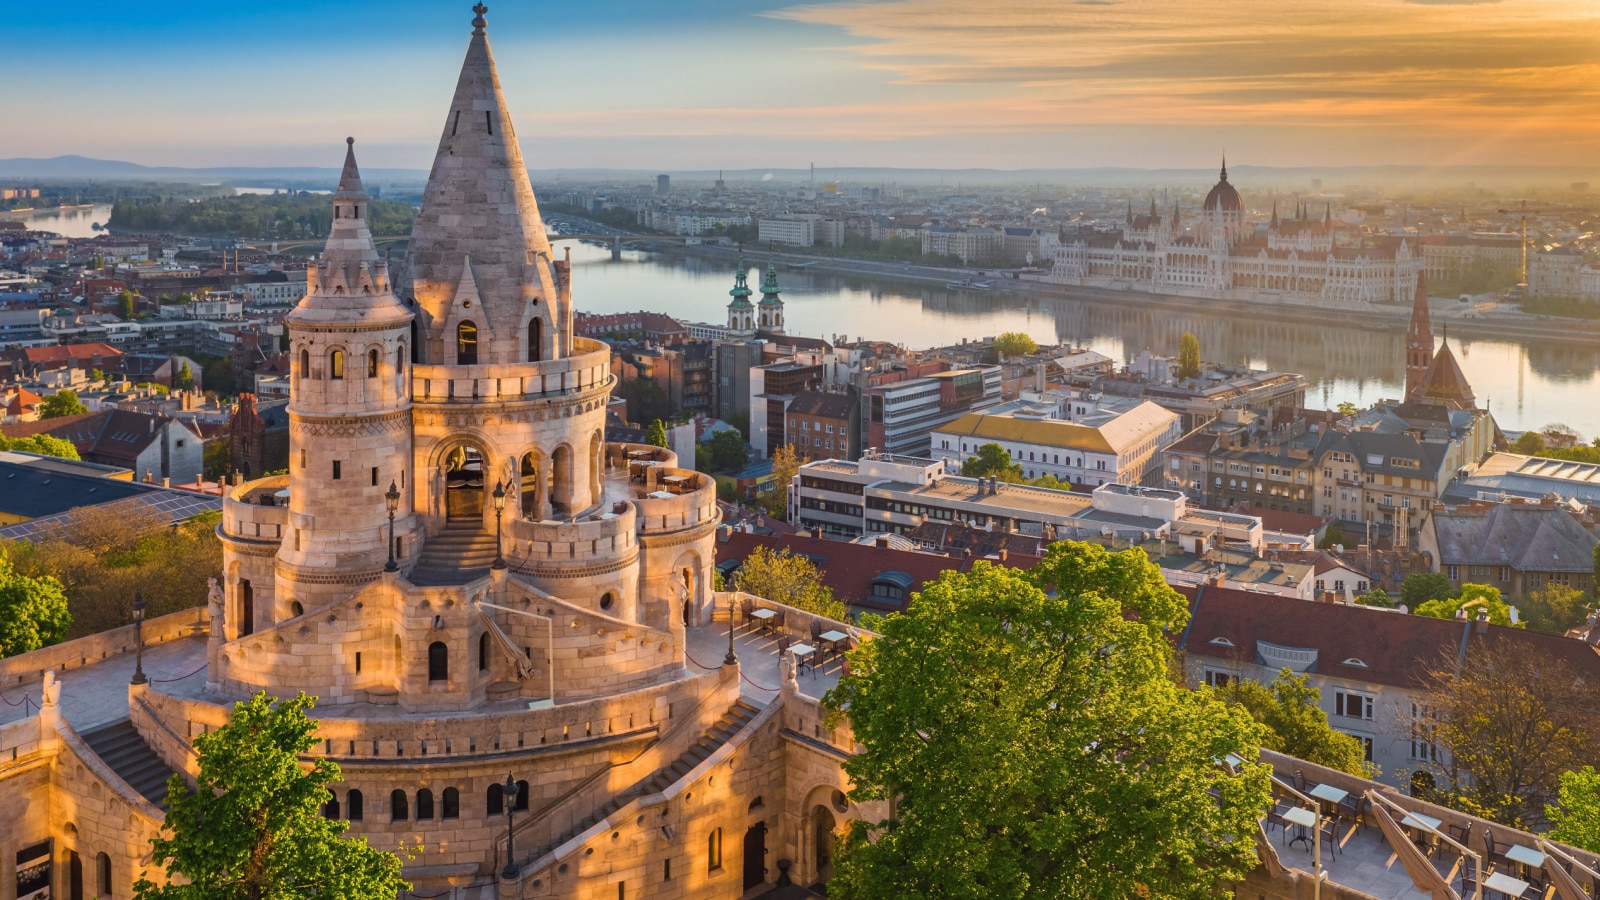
(349, 415)
(741, 313)
(771, 303)
(1419, 338)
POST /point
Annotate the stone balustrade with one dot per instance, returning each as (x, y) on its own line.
(93, 648)
(691, 503)
(587, 370)
(253, 512)
(601, 536)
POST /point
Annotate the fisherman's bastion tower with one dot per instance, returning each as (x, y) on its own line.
(478, 588)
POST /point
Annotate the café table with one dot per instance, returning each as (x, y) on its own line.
(1505, 884)
(1305, 822)
(765, 617)
(804, 656)
(832, 639)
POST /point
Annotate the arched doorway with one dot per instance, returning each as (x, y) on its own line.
(463, 482)
(533, 483)
(822, 842)
(755, 855)
(74, 875)
(561, 477)
(688, 595)
(247, 608)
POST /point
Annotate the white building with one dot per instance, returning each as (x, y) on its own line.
(801, 230)
(1087, 441)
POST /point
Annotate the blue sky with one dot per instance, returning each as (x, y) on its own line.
(679, 84)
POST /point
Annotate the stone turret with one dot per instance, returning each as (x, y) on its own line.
(741, 313)
(771, 311)
(479, 264)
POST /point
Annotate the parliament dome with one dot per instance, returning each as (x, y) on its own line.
(1223, 196)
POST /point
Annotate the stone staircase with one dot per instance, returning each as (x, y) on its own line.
(460, 553)
(734, 720)
(121, 748)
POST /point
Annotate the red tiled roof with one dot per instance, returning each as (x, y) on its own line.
(110, 434)
(61, 353)
(1282, 520)
(23, 402)
(1398, 649)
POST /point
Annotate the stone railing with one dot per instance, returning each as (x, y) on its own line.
(20, 738)
(93, 648)
(588, 369)
(664, 509)
(247, 517)
(601, 536)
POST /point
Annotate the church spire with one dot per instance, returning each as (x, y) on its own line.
(1419, 337)
(1224, 166)
(1274, 212)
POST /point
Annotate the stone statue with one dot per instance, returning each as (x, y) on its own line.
(214, 606)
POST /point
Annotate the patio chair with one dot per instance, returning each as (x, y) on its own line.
(778, 620)
(816, 633)
(1461, 834)
(1275, 817)
(1353, 809)
(1330, 835)
(784, 642)
(1491, 855)
(1469, 881)
(747, 608)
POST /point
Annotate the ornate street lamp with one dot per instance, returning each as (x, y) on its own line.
(391, 499)
(499, 507)
(138, 637)
(508, 794)
(732, 659)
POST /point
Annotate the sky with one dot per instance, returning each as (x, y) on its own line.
(706, 84)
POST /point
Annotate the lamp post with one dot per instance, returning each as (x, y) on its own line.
(499, 507)
(508, 793)
(732, 659)
(138, 637)
(391, 499)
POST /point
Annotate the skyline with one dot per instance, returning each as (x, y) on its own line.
(903, 83)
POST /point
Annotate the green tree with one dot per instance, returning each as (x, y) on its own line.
(1332, 537)
(722, 452)
(33, 611)
(253, 827)
(785, 465)
(218, 458)
(97, 375)
(1554, 608)
(1188, 356)
(657, 434)
(42, 444)
(62, 403)
(1290, 709)
(1027, 758)
(1425, 586)
(1473, 597)
(1346, 408)
(185, 378)
(125, 306)
(991, 460)
(1529, 443)
(1575, 816)
(792, 580)
(1015, 343)
(1376, 597)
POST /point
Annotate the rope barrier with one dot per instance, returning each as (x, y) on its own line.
(8, 701)
(746, 678)
(180, 677)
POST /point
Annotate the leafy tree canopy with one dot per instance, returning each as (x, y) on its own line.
(722, 452)
(656, 435)
(1376, 597)
(185, 378)
(1473, 598)
(1188, 356)
(992, 460)
(791, 580)
(33, 611)
(61, 403)
(253, 828)
(1029, 759)
(785, 465)
(1555, 608)
(1576, 813)
(42, 444)
(1015, 343)
(1424, 586)
(1346, 408)
(1296, 723)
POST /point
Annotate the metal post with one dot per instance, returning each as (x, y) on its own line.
(499, 508)
(508, 793)
(732, 659)
(138, 637)
(391, 499)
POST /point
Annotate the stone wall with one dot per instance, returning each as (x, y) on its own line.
(29, 667)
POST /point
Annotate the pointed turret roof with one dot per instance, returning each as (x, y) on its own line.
(769, 285)
(741, 286)
(479, 204)
(1445, 384)
(1421, 320)
(350, 283)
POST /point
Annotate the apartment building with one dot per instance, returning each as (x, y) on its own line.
(1118, 442)
(900, 417)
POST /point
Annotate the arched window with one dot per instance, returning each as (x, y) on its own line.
(398, 806)
(424, 805)
(497, 799)
(352, 805)
(451, 804)
(438, 661)
(102, 874)
(372, 364)
(714, 850)
(295, 609)
(535, 339)
(483, 652)
(466, 344)
(522, 796)
(330, 810)
(305, 363)
(400, 359)
(336, 364)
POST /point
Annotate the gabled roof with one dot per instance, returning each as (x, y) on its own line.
(113, 434)
(1445, 384)
(1528, 537)
(822, 404)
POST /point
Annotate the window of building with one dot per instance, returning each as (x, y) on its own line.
(336, 470)
(450, 804)
(352, 805)
(424, 805)
(438, 661)
(398, 806)
(714, 850)
(374, 476)
(336, 364)
(102, 873)
(1453, 572)
(496, 799)
(1423, 729)
(1352, 705)
(1505, 573)
(1219, 679)
(466, 344)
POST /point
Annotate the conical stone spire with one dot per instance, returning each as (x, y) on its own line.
(478, 204)
(1419, 338)
(350, 283)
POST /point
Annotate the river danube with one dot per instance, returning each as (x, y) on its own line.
(1525, 384)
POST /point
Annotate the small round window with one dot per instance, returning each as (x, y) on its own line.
(608, 599)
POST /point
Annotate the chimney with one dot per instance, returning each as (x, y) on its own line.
(1593, 635)
(882, 543)
(1483, 621)
(1002, 554)
(166, 481)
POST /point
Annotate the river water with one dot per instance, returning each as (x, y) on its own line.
(1525, 384)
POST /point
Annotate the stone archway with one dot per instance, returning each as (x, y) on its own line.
(561, 492)
(687, 586)
(465, 468)
(822, 840)
(533, 485)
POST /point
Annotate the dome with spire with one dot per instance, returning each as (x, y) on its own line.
(1224, 196)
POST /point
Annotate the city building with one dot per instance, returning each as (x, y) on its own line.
(156, 448)
(824, 424)
(1517, 546)
(1114, 443)
(969, 244)
(899, 417)
(258, 436)
(772, 388)
(801, 230)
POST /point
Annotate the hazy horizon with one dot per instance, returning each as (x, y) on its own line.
(741, 84)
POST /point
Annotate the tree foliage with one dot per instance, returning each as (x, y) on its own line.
(1472, 598)
(125, 305)
(1576, 813)
(1509, 724)
(724, 451)
(646, 400)
(103, 555)
(1346, 408)
(1554, 608)
(785, 465)
(1296, 723)
(253, 829)
(185, 378)
(1188, 356)
(656, 435)
(783, 577)
(33, 610)
(1424, 586)
(1015, 343)
(1376, 597)
(1034, 745)
(62, 403)
(42, 444)
(286, 216)
(992, 461)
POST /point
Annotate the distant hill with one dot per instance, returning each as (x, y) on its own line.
(83, 167)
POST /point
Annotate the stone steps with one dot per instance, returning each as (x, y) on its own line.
(120, 747)
(460, 553)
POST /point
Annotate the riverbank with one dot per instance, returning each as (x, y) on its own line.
(1473, 321)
